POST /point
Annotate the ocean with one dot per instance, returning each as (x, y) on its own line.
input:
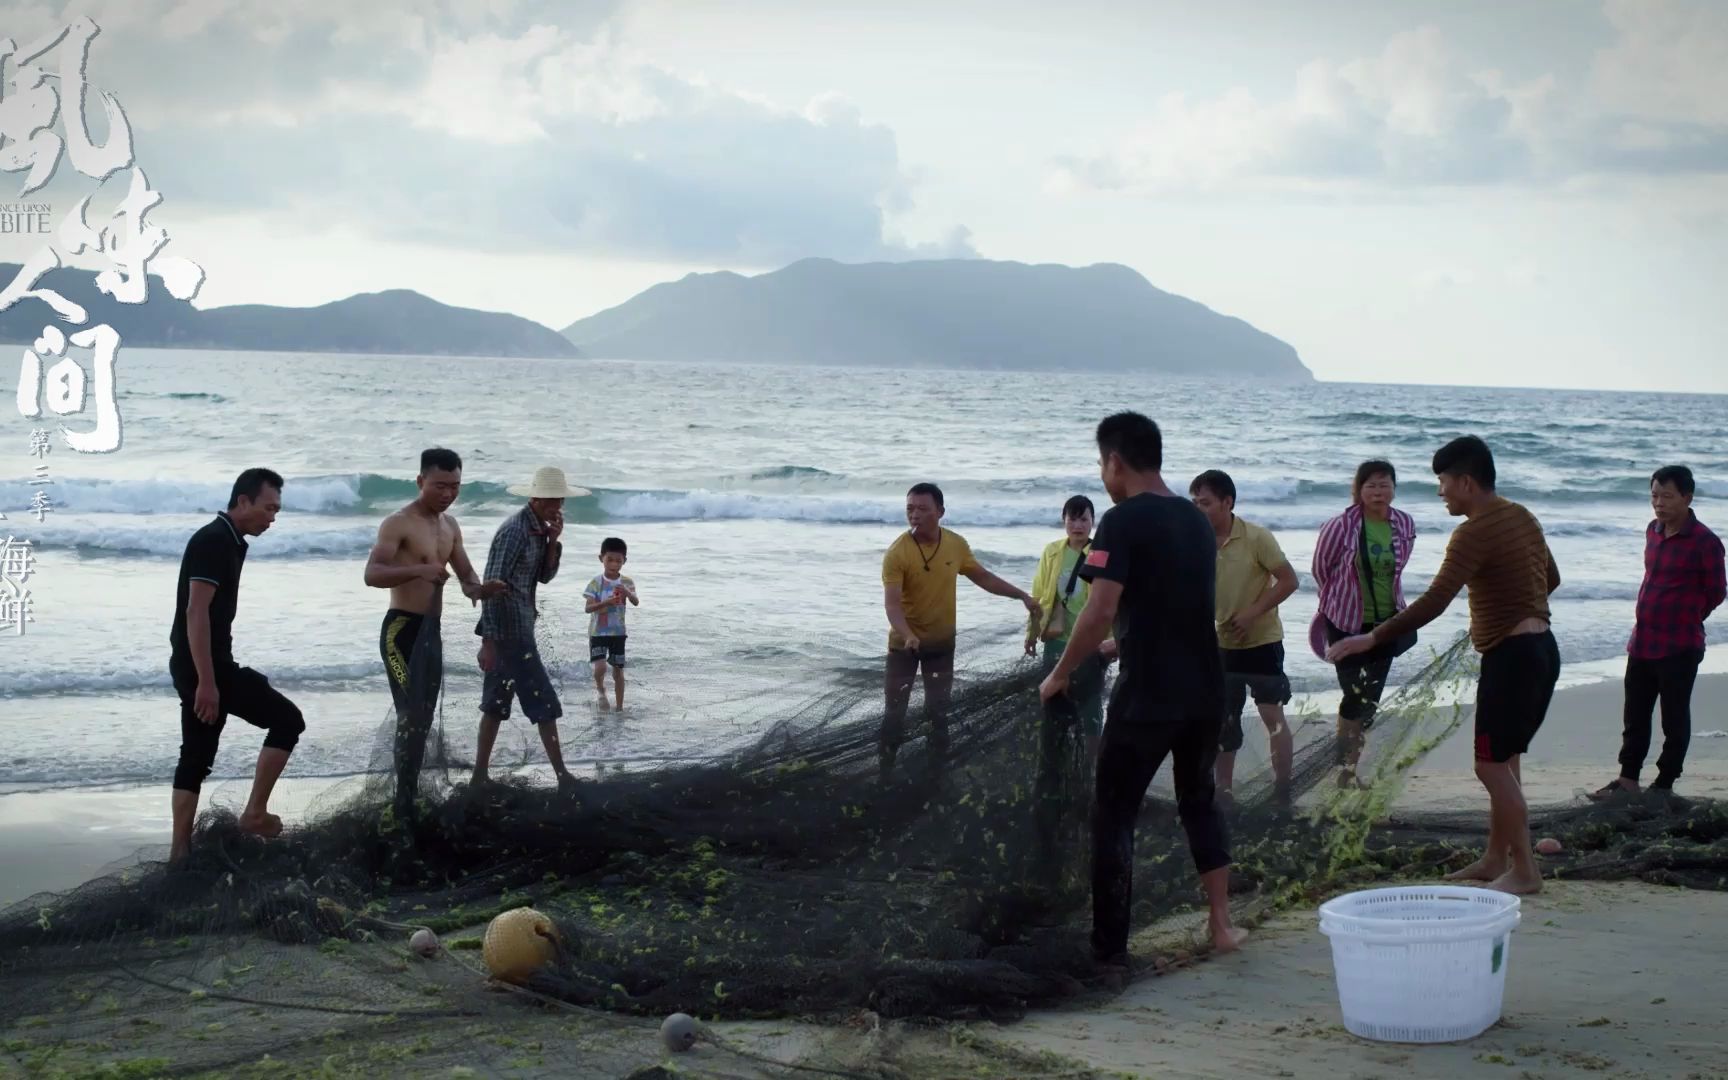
(757, 502)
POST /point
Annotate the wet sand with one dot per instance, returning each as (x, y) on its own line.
(57, 839)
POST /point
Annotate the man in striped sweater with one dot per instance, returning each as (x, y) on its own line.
(1500, 553)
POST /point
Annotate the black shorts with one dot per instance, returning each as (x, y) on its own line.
(609, 649)
(1513, 693)
(519, 673)
(1259, 670)
(241, 692)
(397, 640)
(1362, 677)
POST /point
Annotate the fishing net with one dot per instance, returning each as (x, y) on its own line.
(784, 874)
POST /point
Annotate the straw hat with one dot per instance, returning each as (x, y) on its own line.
(548, 484)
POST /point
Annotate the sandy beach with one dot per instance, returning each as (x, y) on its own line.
(1603, 977)
(1578, 748)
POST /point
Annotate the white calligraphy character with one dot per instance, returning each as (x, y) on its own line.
(15, 606)
(65, 385)
(28, 104)
(27, 112)
(17, 560)
(130, 247)
(23, 285)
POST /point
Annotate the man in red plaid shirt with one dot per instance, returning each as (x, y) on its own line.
(1683, 584)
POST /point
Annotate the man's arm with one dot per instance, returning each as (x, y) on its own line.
(1460, 565)
(1272, 562)
(198, 597)
(1034, 623)
(994, 585)
(554, 548)
(381, 574)
(1284, 585)
(1091, 628)
(1715, 578)
(501, 558)
(897, 614)
(472, 587)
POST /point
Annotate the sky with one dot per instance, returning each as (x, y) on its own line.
(1531, 194)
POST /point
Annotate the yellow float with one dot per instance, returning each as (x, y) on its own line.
(518, 943)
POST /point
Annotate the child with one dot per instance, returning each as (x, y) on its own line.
(606, 596)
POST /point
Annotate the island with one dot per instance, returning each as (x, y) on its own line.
(393, 322)
(941, 313)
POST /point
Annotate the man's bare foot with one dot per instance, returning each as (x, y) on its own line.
(1527, 883)
(1483, 869)
(604, 704)
(261, 824)
(1349, 781)
(1227, 939)
(178, 853)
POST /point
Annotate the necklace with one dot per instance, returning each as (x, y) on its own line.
(934, 552)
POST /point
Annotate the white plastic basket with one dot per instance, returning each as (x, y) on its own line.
(1420, 964)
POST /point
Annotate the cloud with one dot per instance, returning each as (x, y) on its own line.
(1669, 62)
(501, 125)
(1415, 116)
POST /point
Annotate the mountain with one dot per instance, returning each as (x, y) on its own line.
(957, 313)
(395, 321)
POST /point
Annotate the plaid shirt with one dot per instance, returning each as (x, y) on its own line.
(1683, 584)
(518, 557)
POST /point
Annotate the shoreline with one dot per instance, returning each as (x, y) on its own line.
(53, 839)
(1307, 706)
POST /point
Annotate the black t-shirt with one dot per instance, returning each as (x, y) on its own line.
(1161, 550)
(214, 554)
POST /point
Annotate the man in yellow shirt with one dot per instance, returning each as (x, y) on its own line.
(919, 576)
(1254, 577)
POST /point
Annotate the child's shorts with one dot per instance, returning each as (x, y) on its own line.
(609, 649)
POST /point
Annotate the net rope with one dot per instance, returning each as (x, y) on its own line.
(782, 875)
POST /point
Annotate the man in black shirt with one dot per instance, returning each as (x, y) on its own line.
(1151, 567)
(210, 684)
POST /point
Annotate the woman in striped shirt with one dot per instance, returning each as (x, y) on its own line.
(1501, 556)
(1358, 567)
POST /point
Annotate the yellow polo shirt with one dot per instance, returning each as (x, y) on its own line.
(1245, 566)
(927, 584)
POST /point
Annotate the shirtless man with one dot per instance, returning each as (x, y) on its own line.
(415, 545)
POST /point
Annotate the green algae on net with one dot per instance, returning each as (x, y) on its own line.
(786, 879)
